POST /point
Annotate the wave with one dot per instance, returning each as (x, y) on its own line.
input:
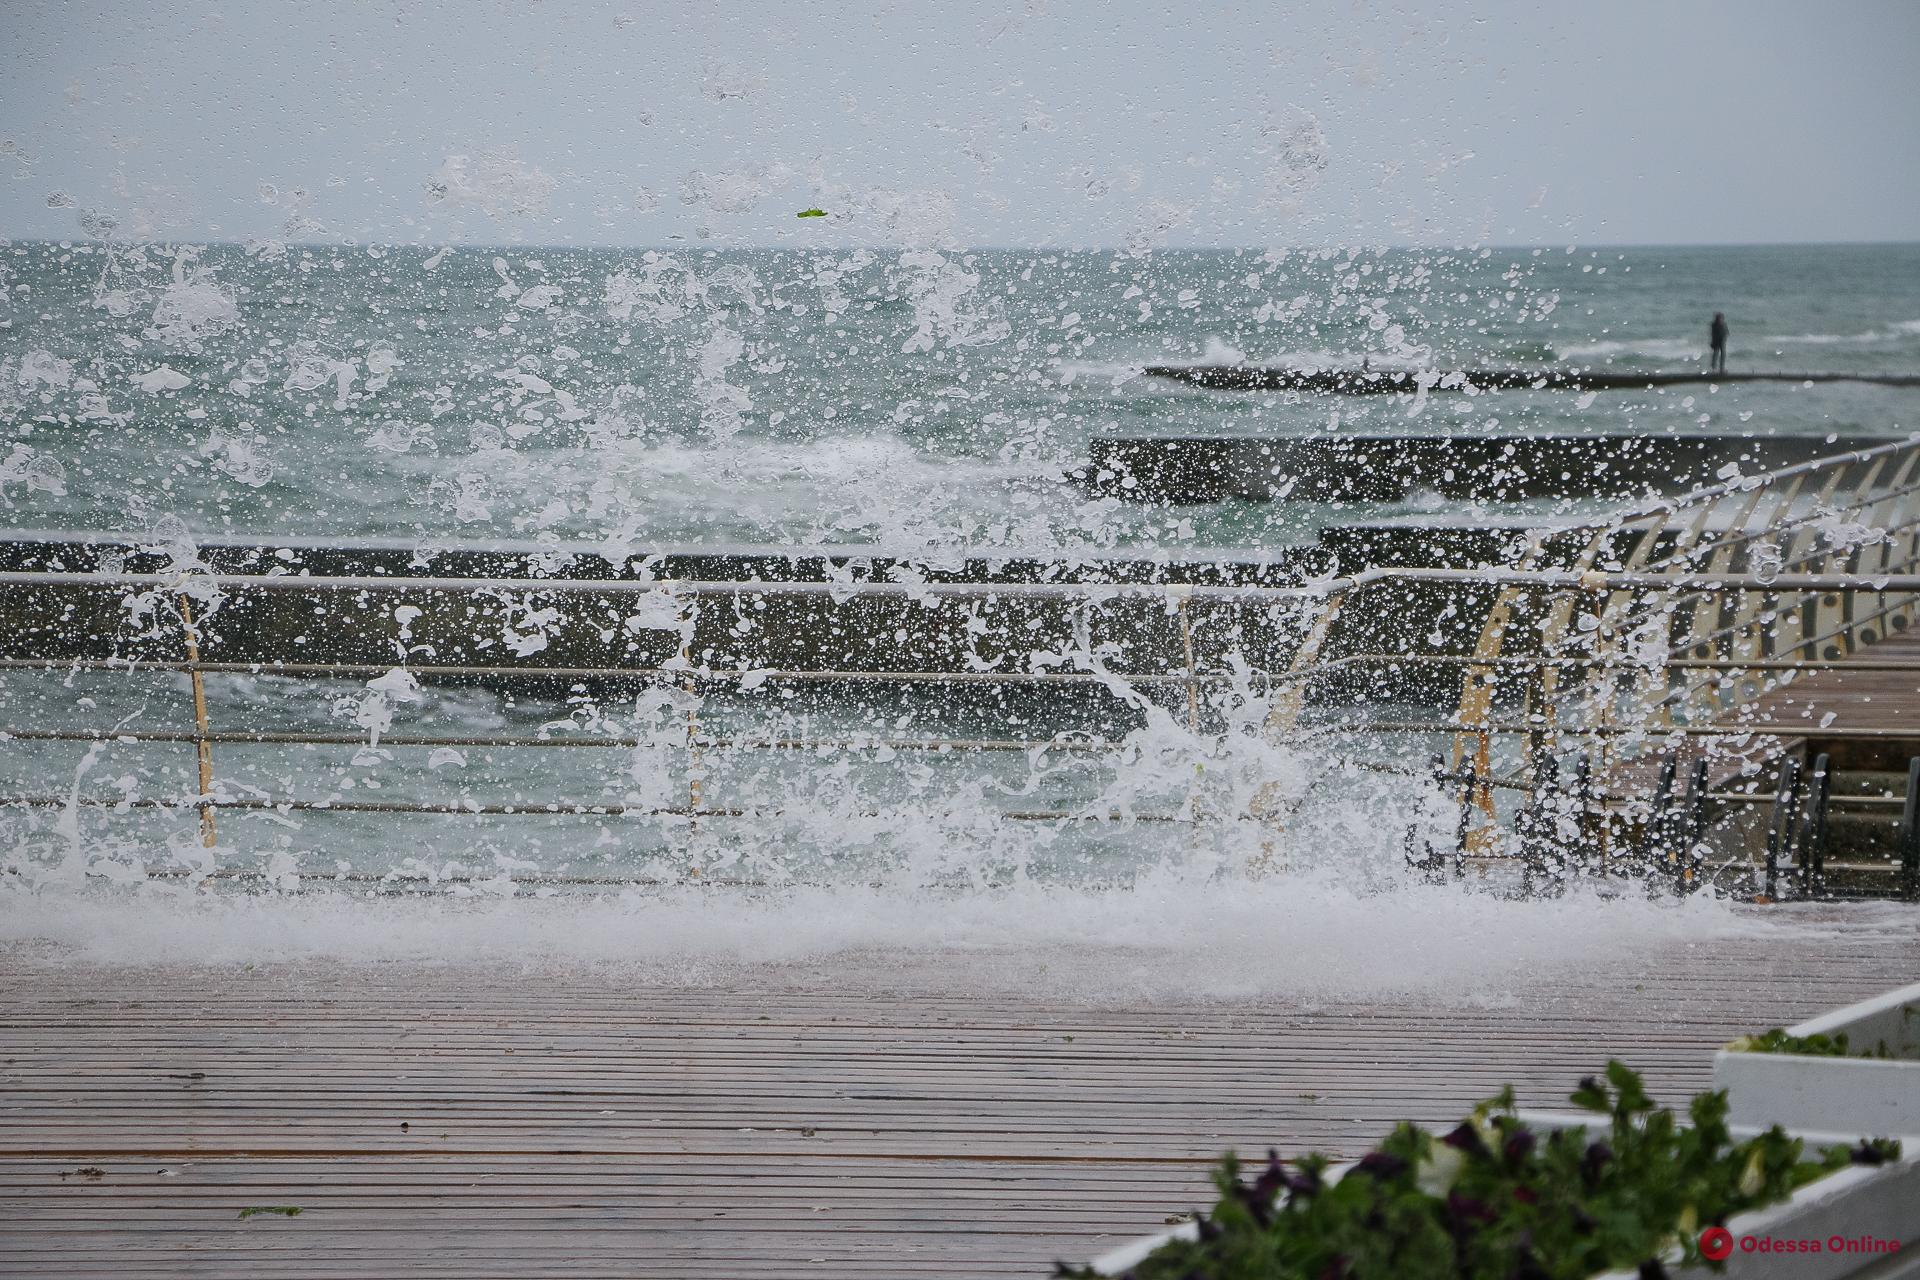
(1696, 348)
(1170, 939)
(1116, 373)
(1896, 332)
(1649, 348)
(863, 488)
(1220, 353)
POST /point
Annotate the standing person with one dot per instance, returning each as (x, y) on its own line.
(1718, 334)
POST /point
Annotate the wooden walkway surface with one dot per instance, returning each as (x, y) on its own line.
(1865, 709)
(466, 1122)
(1864, 693)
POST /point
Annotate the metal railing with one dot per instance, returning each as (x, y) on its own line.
(1667, 619)
(1607, 639)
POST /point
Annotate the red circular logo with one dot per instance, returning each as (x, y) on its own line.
(1716, 1244)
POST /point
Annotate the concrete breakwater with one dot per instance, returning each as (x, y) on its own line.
(86, 552)
(1375, 382)
(518, 612)
(536, 619)
(1378, 468)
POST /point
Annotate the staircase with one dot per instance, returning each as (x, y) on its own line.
(1844, 832)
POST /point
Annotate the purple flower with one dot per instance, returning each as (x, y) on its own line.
(1271, 1179)
(1873, 1151)
(1519, 1146)
(1381, 1164)
(1466, 1138)
(1465, 1209)
(1302, 1182)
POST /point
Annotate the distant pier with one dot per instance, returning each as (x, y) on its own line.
(1375, 382)
(1381, 468)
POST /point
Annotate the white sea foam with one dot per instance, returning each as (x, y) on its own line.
(838, 488)
(1324, 358)
(191, 309)
(1115, 373)
(1896, 332)
(1690, 349)
(1220, 351)
(1166, 938)
(1651, 348)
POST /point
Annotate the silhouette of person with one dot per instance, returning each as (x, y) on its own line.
(1718, 335)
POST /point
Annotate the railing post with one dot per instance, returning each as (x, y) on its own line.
(1283, 716)
(1481, 680)
(1193, 675)
(1818, 607)
(1694, 829)
(1543, 694)
(1583, 804)
(1470, 782)
(1780, 835)
(692, 689)
(202, 747)
(1813, 869)
(1909, 841)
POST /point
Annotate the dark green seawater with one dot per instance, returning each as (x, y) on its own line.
(920, 400)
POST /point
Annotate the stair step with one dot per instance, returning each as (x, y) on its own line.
(1870, 782)
(1867, 835)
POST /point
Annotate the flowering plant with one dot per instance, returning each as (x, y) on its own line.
(1814, 1046)
(1493, 1199)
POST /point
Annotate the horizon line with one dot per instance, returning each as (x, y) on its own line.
(684, 245)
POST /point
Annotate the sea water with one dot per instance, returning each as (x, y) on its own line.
(928, 403)
(924, 401)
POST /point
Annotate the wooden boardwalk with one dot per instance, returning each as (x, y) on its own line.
(1864, 711)
(468, 1122)
(1869, 693)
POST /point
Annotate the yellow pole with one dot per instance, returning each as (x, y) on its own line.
(202, 747)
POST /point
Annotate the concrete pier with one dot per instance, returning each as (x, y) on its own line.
(1375, 382)
(76, 551)
(779, 620)
(1380, 468)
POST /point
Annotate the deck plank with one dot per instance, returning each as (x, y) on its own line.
(557, 1124)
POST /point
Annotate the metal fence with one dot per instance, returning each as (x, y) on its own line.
(1608, 640)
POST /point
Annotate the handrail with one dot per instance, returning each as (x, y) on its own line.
(1545, 579)
(1692, 578)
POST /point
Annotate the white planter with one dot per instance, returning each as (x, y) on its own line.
(1115, 1261)
(1843, 1214)
(1878, 1097)
(1844, 1209)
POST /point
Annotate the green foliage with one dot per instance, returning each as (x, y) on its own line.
(284, 1210)
(811, 213)
(1816, 1046)
(1493, 1200)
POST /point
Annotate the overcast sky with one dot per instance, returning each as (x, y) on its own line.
(1068, 122)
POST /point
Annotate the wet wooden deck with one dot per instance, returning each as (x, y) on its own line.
(462, 1122)
(1876, 692)
(1865, 710)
